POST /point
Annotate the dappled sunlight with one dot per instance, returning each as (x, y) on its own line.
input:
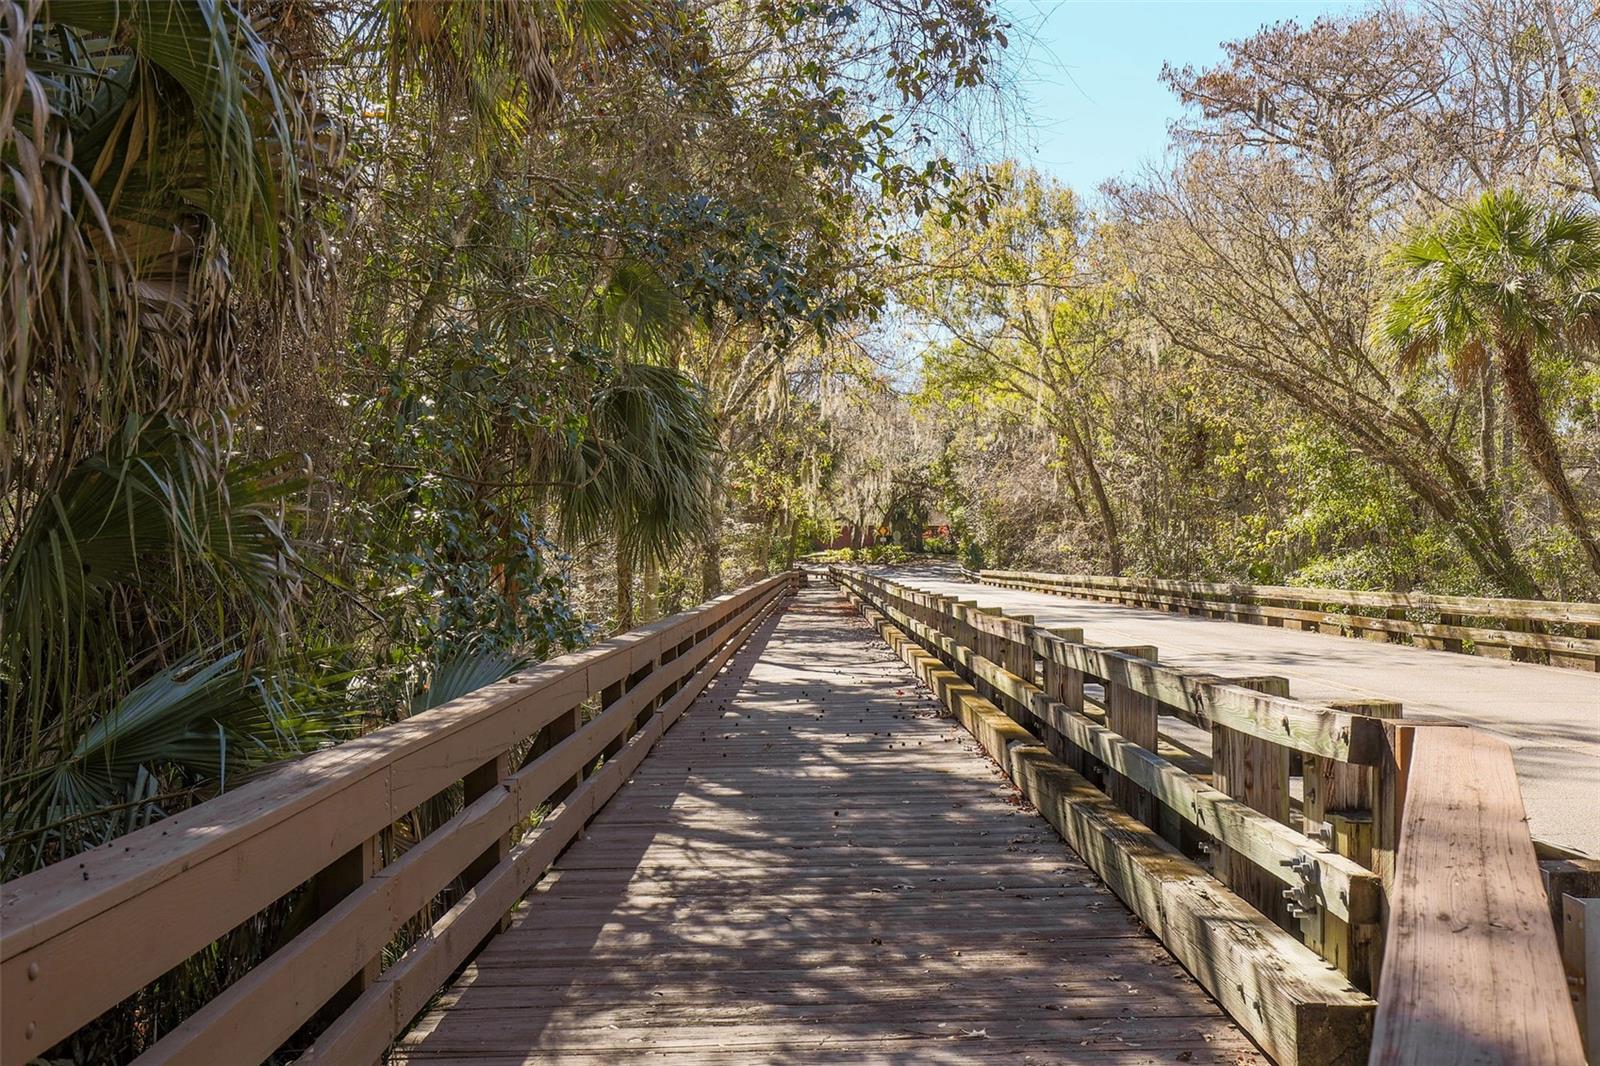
(817, 860)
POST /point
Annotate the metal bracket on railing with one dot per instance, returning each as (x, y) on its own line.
(1305, 897)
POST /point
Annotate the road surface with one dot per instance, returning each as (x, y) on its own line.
(1549, 715)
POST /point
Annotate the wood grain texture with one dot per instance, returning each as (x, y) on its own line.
(1256, 773)
(817, 864)
(1347, 890)
(1472, 973)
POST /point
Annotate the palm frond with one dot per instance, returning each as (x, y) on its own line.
(638, 314)
(464, 672)
(205, 719)
(154, 155)
(1505, 268)
(640, 469)
(156, 511)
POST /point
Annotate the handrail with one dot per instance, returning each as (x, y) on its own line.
(1276, 987)
(1344, 736)
(78, 937)
(1426, 619)
(1340, 885)
(1470, 971)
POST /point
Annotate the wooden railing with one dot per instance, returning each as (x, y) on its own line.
(1473, 972)
(1368, 874)
(1563, 634)
(556, 740)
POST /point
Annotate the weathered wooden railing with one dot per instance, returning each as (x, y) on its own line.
(1566, 634)
(79, 937)
(1300, 912)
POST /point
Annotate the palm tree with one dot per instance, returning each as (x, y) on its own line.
(640, 471)
(1489, 287)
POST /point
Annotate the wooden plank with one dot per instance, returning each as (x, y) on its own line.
(1312, 730)
(1347, 890)
(262, 1009)
(363, 1032)
(1472, 971)
(346, 876)
(1243, 603)
(1481, 606)
(1580, 957)
(1333, 786)
(1346, 896)
(1133, 715)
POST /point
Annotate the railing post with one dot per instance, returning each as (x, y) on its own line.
(945, 622)
(1015, 656)
(1018, 654)
(477, 784)
(1064, 685)
(1449, 643)
(1133, 715)
(343, 876)
(609, 695)
(1333, 788)
(962, 633)
(1338, 808)
(1580, 957)
(1256, 773)
(564, 726)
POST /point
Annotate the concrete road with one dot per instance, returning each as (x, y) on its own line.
(1549, 715)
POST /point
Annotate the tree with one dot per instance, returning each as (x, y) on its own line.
(1494, 286)
(1009, 289)
(639, 471)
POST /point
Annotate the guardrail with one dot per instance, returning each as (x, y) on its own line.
(78, 937)
(1561, 633)
(1395, 817)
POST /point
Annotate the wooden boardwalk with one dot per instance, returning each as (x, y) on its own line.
(816, 865)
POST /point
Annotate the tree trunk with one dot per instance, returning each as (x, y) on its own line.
(1486, 436)
(764, 561)
(1102, 500)
(624, 590)
(1522, 398)
(650, 589)
(711, 559)
(789, 546)
(1577, 114)
(711, 567)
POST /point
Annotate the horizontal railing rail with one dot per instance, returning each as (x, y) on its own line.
(535, 756)
(1564, 633)
(1375, 865)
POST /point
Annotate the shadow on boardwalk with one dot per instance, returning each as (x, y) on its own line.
(815, 865)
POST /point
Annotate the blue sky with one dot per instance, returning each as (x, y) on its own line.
(1089, 71)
